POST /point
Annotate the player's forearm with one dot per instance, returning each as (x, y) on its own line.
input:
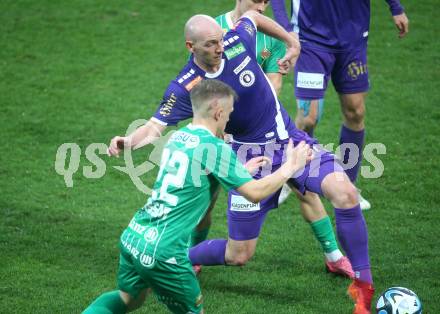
(272, 28)
(257, 190)
(144, 135)
(280, 14)
(395, 7)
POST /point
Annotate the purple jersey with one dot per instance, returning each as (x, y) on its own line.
(258, 117)
(330, 25)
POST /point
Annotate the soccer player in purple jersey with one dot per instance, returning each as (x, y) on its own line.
(333, 37)
(260, 126)
(268, 51)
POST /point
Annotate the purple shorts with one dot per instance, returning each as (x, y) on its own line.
(245, 218)
(348, 71)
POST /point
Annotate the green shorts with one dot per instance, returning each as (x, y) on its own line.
(174, 285)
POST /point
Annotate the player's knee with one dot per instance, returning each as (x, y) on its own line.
(133, 303)
(309, 198)
(347, 197)
(355, 114)
(310, 113)
(310, 122)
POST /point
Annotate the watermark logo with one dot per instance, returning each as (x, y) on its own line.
(67, 159)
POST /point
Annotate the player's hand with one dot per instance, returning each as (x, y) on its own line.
(284, 68)
(117, 144)
(298, 156)
(292, 53)
(402, 23)
(256, 163)
(227, 138)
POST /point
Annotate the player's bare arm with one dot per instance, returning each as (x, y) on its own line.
(256, 163)
(272, 28)
(297, 158)
(142, 136)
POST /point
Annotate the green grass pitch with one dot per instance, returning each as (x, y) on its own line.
(80, 71)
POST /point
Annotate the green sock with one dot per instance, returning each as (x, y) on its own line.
(323, 231)
(199, 236)
(107, 303)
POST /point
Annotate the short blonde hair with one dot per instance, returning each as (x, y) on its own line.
(207, 91)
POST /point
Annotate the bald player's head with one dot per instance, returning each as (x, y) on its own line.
(204, 39)
(199, 26)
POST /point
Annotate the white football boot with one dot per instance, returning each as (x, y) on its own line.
(365, 205)
(285, 192)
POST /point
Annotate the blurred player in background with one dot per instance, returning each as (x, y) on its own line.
(333, 37)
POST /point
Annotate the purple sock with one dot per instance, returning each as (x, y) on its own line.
(349, 136)
(208, 252)
(353, 237)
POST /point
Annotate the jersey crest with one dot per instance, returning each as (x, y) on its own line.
(265, 53)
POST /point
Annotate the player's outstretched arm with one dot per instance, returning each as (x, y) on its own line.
(142, 136)
(296, 158)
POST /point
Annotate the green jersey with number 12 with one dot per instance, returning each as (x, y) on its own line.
(194, 162)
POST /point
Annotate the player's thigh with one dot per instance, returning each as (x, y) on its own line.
(128, 278)
(177, 287)
(350, 72)
(310, 177)
(312, 73)
(245, 219)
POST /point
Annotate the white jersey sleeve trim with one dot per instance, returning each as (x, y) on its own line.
(154, 119)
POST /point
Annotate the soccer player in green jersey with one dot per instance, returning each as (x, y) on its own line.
(269, 51)
(154, 246)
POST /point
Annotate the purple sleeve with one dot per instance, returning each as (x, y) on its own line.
(175, 106)
(395, 7)
(245, 27)
(280, 14)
